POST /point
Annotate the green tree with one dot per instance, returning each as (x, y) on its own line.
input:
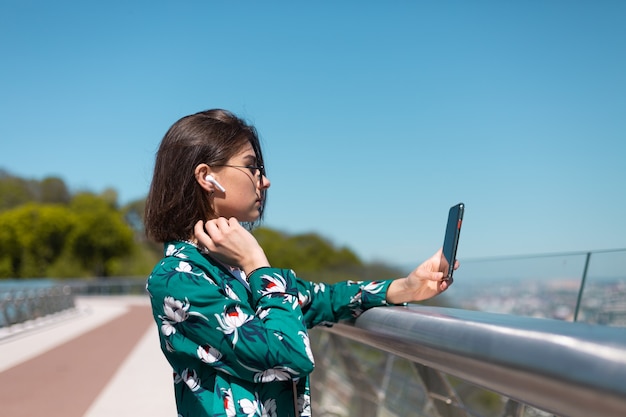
(100, 238)
(52, 190)
(14, 191)
(134, 215)
(33, 237)
(304, 252)
(10, 253)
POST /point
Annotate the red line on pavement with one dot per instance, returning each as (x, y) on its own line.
(65, 381)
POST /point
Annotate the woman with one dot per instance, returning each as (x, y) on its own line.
(233, 328)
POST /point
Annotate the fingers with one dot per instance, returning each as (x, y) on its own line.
(445, 284)
(200, 234)
(212, 233)
(198, 228)
(437, 276)
(219, 229)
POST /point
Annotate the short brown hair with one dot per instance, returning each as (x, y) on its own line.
(176, 201)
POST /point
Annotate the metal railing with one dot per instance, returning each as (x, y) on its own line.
(568, 369)
(25, 300)
(109, 286)
(558, 349)
(28, 302)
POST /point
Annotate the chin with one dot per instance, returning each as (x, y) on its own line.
(251, 218)
(254, 218)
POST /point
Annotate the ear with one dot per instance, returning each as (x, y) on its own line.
(201, 173)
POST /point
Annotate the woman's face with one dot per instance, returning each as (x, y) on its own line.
(244, 184)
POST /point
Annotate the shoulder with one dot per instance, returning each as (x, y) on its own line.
(185, 264)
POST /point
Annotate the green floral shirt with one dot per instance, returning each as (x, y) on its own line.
(241, 348)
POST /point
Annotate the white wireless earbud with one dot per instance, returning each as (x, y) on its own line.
(209, 178)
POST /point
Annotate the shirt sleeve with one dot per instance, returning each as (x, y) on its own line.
(329, 303)
(260, 339)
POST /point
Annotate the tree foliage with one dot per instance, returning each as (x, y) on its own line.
(306, 252)
(45, 231)
(15, 191)
(100, 235)
(317, 259)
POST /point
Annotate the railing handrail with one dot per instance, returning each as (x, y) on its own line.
(570, 369)
(540, 255)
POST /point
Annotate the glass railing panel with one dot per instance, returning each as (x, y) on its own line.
(533, 286)
(402, 392)
(353, 379)
(347, 376)
(603, 298)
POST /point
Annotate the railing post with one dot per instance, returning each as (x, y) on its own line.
(582, 286)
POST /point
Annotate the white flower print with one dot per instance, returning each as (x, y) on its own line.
(356, 299)
(304, 403)
(321, 287)
(231, 320)
(229, 405)
(269, 408)
(172, 251)
(307, 345)
(184, 267)
(190, 377)
(276, 284)
(175, 310)
(304, 299)
(168, 346)
(280, 373)
(167, 327)
(249, 407)
(262, 313)
(373, 287)
(288, 298)
(209, 354)
(230, 293)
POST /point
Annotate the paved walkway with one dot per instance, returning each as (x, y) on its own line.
(100, 360)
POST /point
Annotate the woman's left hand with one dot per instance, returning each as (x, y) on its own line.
(231, 243)
(424, 282)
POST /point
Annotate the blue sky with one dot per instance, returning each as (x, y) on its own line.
(376, 117)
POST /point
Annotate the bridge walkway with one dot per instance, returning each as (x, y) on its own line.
(102, 359)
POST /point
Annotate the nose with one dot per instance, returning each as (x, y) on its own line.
(265, 182)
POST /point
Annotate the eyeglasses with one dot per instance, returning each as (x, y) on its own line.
(257, 171)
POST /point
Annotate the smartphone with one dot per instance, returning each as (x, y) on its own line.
(451, 240)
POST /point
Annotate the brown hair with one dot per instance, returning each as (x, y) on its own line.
(176, 201)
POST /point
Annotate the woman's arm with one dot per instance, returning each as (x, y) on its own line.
(204, 313)
(324, 303)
